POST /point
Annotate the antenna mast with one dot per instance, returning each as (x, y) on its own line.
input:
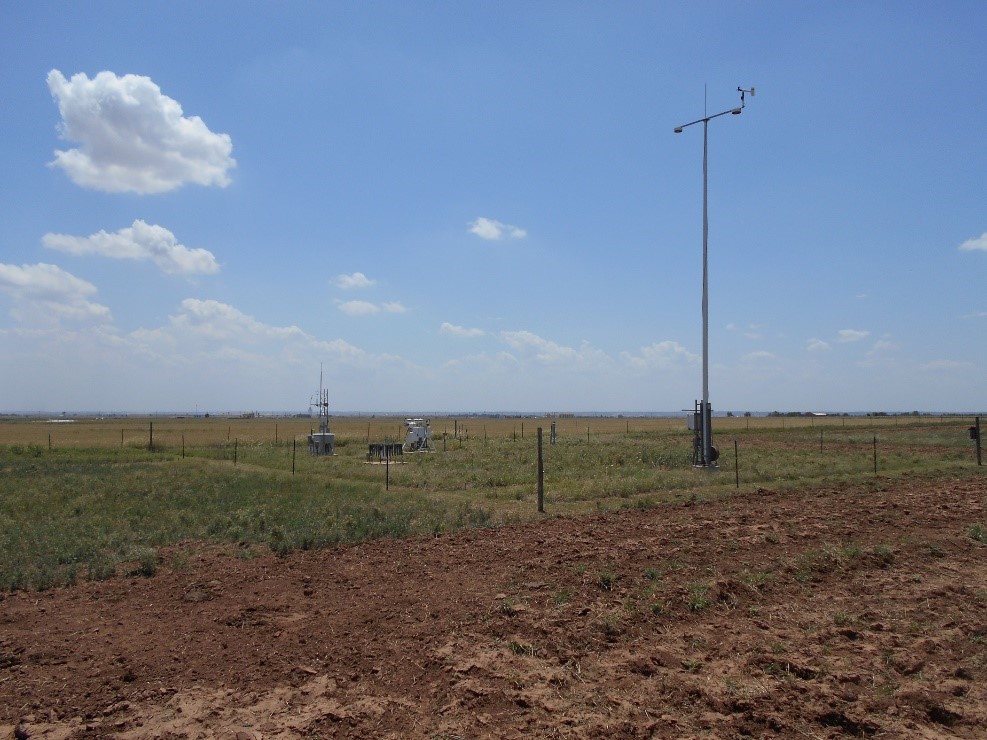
(323, 405)
(323, 442)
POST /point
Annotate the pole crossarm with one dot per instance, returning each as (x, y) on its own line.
(707, 119)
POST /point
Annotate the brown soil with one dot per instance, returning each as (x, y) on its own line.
(846, 611)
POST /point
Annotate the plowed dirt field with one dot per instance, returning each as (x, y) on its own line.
(845, 611)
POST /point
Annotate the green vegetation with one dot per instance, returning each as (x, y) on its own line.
(607, 580)
(100, 498)
(697, 598)
(93, 513)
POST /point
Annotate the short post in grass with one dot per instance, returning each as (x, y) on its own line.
(541, 476)
(150, 438)
(121, 438)
(183, 446)
(980, 460)
(975, 436)
(387, 467)
(875, 454)
(236, 443)
(49, 442)
(736, 463)
(294, 449)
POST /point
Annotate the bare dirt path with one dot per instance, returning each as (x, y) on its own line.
(848, 611)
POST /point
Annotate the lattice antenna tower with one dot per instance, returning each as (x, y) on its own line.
(323, 404)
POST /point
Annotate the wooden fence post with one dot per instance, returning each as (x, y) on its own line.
(979, 441)
(736, 463)
(541, 476)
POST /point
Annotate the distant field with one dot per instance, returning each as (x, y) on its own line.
(168, 430)
(98, 497)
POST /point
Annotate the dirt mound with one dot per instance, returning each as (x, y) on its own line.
(853, 611)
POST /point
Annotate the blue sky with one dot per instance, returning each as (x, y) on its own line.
(456, 206)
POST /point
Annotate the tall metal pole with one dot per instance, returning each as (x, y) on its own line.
(705, 410)
(707, 430)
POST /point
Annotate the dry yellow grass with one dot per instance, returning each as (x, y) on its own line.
(169, 430)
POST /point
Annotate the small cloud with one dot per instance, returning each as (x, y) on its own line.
(221, 321)
(817, 345)
(133, 138)
(356, 280)
(50, 292)
(366, 308)
(141, 241)
(545, 351)
(460, 331)
(660, 355)
(971, 244)
(487, 228)
(852, 335)
(358, 308)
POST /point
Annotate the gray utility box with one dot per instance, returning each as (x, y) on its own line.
(321, 443)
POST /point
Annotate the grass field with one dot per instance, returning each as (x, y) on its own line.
(101, 497)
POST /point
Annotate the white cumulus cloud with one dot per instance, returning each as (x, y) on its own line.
(141, 241)
(133, 138)
(221, 321)
(852, 335)
(460, 331)
(971, 244)
(488, 228)
(660, 355)
(547, 352)
(366, 308)
(817, 345)
(883, 345)
(44, 291)
(358, 308)
(356, 280)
